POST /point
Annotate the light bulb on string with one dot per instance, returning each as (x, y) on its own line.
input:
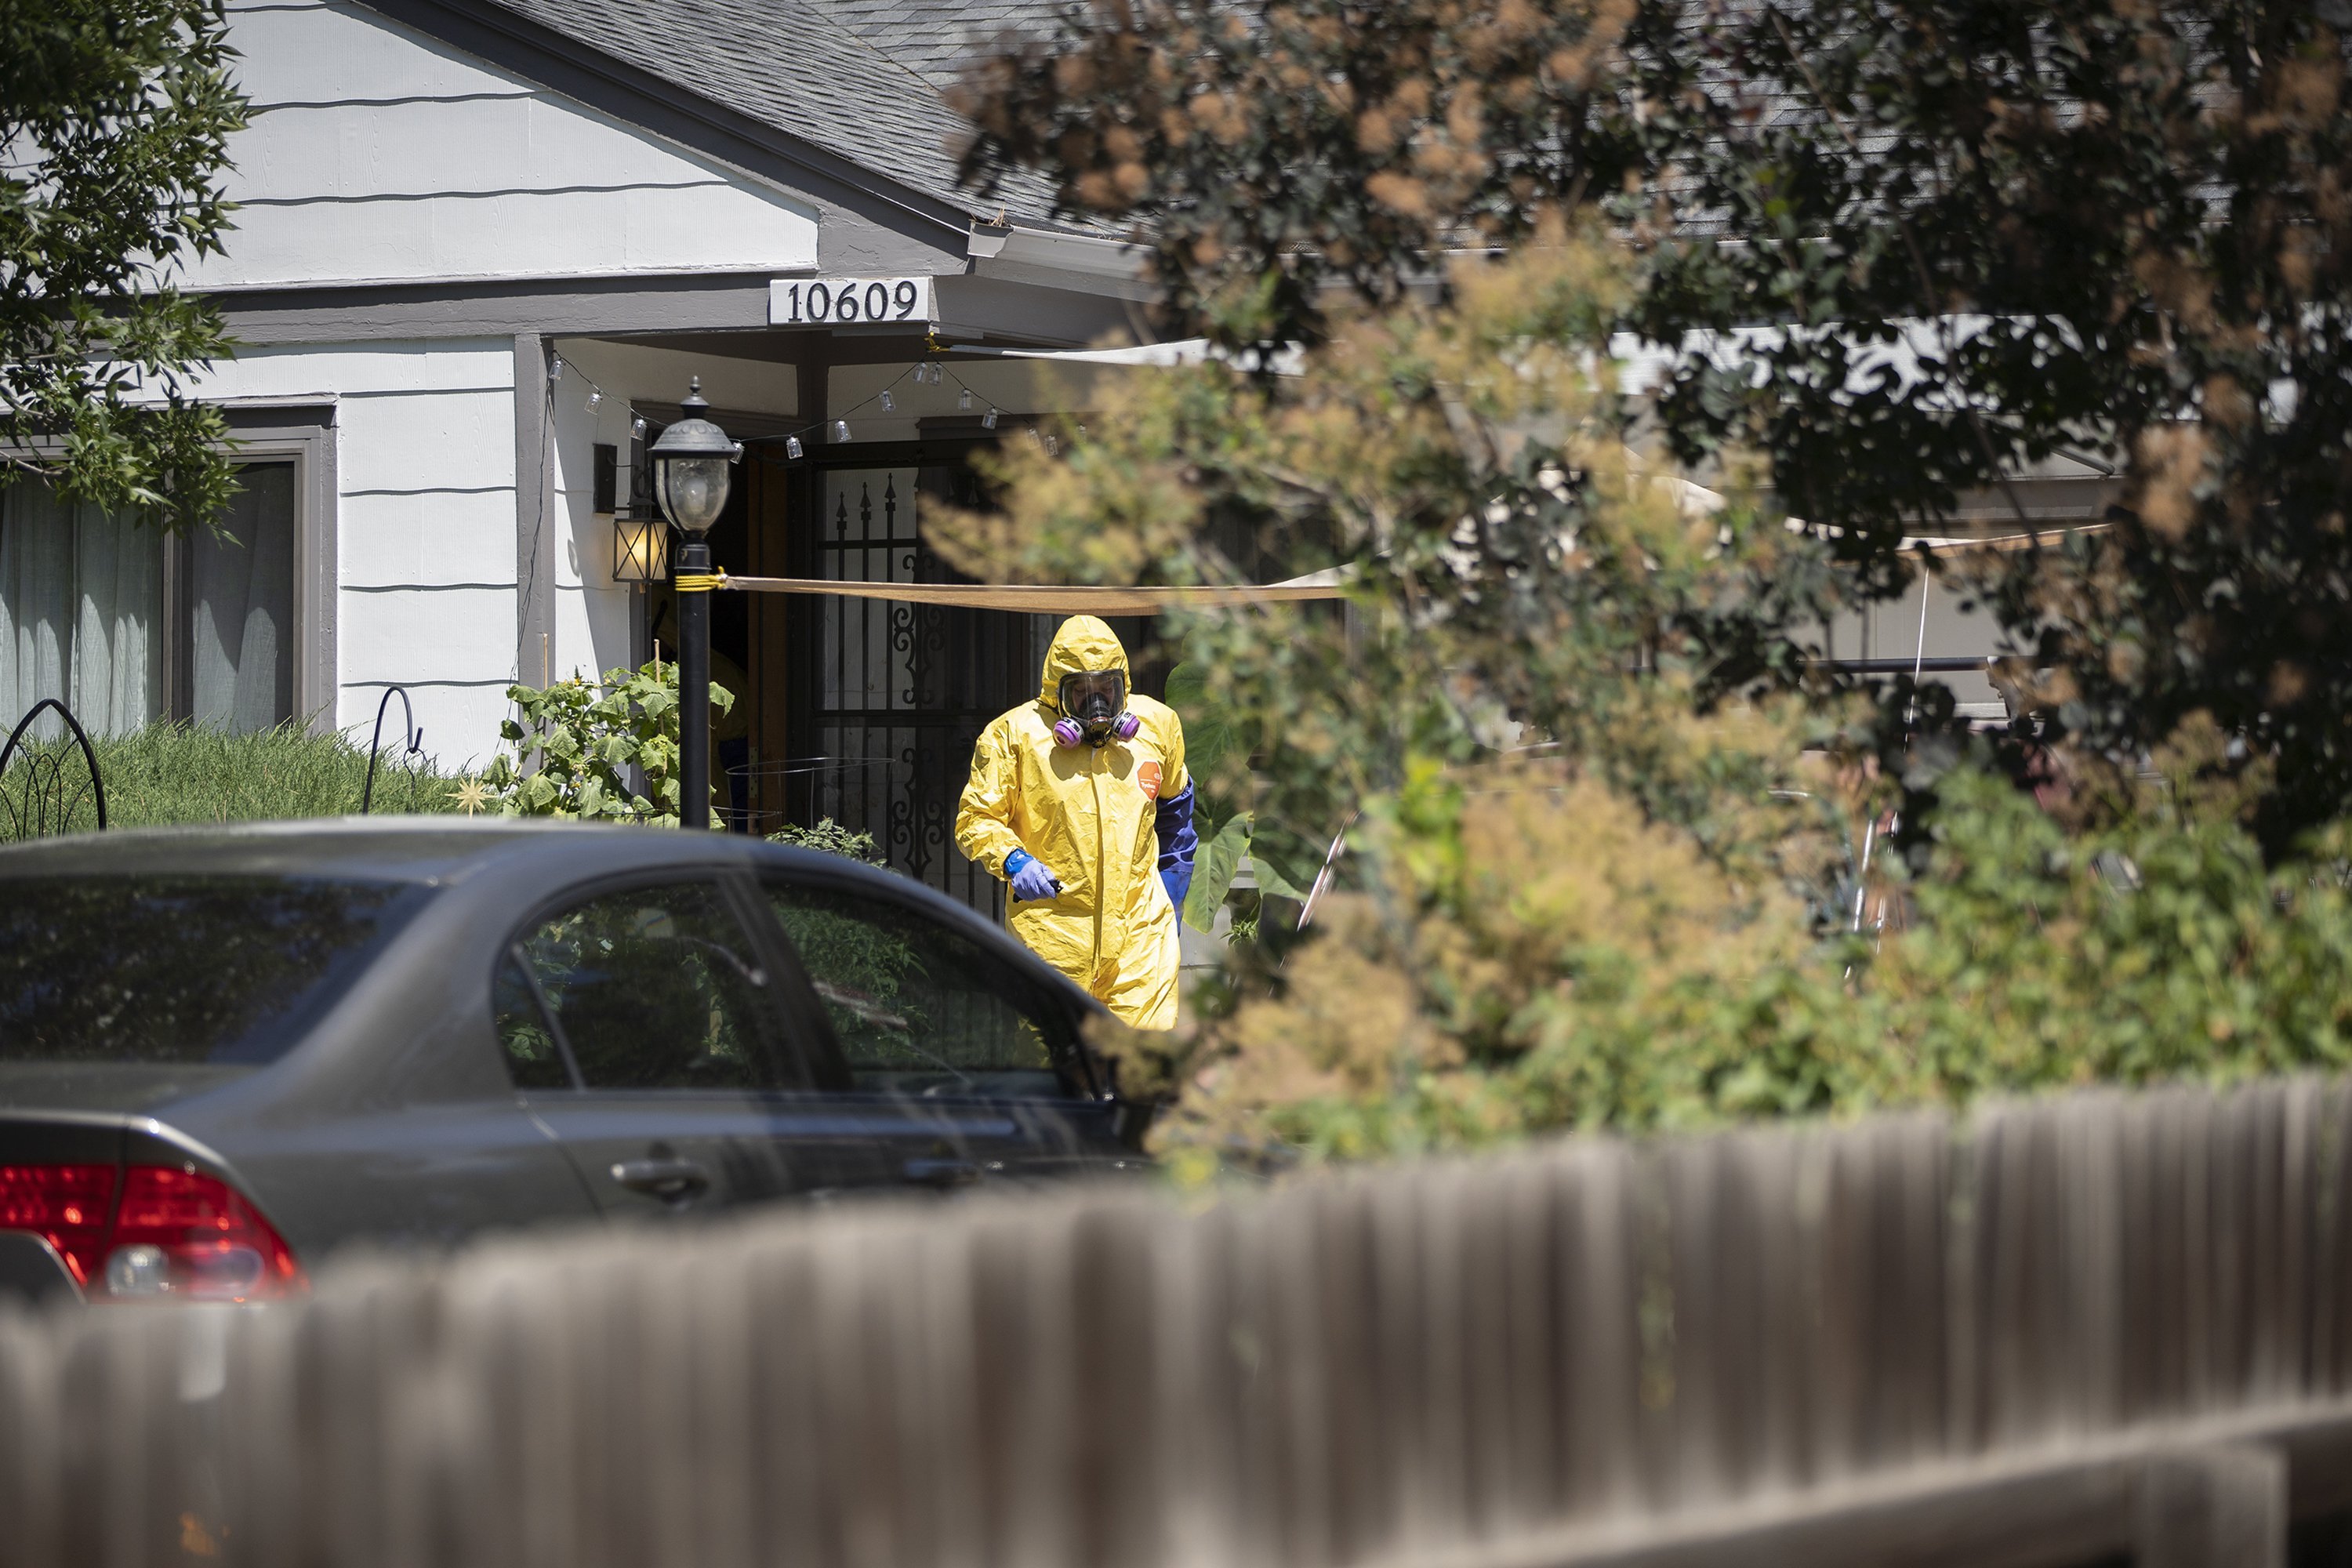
(988, 420)
(555, 375)
(792, 447)
(596, 397)
(841, 429)
(889, 405)
(637, 427)
(964, 398)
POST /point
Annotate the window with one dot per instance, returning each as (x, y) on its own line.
(223, 970)
(651, 988)
(240, 608)
(534, 1061)
(127, 627)
(918, 1007)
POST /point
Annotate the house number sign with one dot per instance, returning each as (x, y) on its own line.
(847, 301)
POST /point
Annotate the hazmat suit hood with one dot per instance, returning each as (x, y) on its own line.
(1083, 645)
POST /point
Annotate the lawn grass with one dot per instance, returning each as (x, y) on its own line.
(176, 773)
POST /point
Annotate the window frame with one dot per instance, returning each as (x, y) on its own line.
(1083, 1079)
(779, 1010)
(301, 434)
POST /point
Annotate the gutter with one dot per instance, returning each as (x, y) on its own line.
(1021, 254)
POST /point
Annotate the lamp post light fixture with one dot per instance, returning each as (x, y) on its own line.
(690, 463)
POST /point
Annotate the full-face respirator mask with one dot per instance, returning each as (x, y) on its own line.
(1093, 707)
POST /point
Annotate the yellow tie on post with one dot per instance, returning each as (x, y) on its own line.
(699, 582)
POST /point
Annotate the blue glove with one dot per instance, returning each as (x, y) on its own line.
(1173, 823)
(1031, 880)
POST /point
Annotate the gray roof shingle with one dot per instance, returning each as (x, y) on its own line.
(937, 37)
(860, 78)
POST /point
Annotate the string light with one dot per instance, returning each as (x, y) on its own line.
(596, 397)
(555, 376)
(890, 406)
(988, 420)
(637, 427)
(963, 397)
(841, 429)
(793, 447)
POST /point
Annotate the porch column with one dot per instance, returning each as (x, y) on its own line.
(534, 511)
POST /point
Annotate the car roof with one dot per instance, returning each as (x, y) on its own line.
(436, 849)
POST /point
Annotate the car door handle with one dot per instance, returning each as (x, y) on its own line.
(674, 1181)
(938, 1173)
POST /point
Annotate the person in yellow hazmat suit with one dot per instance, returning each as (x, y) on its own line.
(1081, 802)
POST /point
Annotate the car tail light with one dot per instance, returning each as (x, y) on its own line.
(182, 1233)
(168, 1232)
(68, 1205)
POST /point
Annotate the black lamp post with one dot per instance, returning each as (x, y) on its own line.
(690, 479)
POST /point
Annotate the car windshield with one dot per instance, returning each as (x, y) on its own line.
(185, 971)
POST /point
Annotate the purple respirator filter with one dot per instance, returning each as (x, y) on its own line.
(1068, 731)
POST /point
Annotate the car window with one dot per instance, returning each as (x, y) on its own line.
(198, 969)
(534, 1061)
(918, 1007)
(655, 987)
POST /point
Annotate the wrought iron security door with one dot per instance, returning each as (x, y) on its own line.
(901, 692)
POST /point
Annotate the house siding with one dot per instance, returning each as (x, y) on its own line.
(377, 154)
(424, 522)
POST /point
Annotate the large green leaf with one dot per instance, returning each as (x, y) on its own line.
(1212, 871)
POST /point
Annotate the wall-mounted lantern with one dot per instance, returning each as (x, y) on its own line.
(640, 547)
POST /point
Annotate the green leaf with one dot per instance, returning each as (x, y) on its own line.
(1212, 871)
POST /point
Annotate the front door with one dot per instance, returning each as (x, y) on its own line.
(888, 696)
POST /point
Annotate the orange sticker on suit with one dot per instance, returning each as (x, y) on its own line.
(1146, 776)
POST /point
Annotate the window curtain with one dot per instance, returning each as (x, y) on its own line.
(241, 666)
(81, 604)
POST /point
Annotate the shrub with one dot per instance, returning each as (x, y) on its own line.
(832, 838)
(1532, 953)
(574, 747)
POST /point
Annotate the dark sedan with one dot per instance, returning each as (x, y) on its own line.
(225, 1052)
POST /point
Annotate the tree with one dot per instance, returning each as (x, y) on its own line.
(2114, 227)
(115, 116)
(1951, 235)
(1265, 154)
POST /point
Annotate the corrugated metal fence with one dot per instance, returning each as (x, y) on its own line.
(2097, 1324)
